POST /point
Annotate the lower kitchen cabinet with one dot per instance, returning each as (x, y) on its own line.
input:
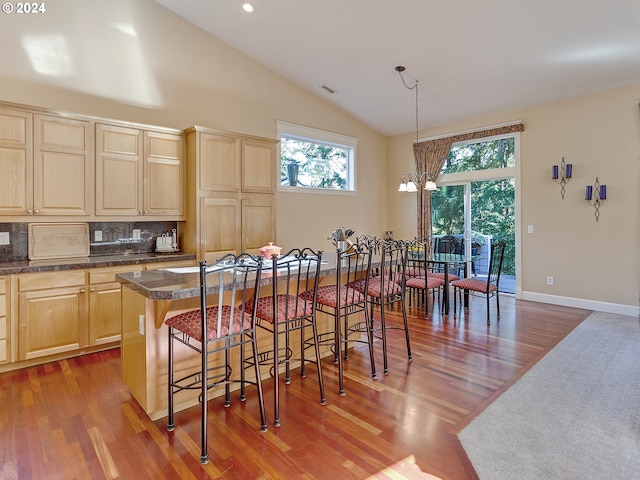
(52, 313)
(104, 304)
(62, 313)
(4, 324)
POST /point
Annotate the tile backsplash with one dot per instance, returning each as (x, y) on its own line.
(117, 238)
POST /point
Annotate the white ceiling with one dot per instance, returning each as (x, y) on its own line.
(470, 57)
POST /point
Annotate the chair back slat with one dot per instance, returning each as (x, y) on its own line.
(225, 279)
(354, 267)
(297, 271)
(394, 263)
(495, 263)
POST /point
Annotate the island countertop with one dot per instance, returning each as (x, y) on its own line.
(171, 285)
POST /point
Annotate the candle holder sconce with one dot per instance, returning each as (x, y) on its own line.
(562, 174)
(594, 195)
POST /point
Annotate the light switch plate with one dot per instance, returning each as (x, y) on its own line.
(98, 235)
(4, 238)
(136, 234)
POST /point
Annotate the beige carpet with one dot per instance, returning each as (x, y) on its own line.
(574, 415)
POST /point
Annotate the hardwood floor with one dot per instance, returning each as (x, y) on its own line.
(75, 419)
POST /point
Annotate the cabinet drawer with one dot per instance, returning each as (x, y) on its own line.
(108, 275)
(3, 327)
(3, 309)
(40, 281)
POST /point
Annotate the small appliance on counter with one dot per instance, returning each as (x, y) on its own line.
(167, 242)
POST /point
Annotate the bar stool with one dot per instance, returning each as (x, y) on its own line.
(285, 311)
(387, 289)
(343, 301)
(228, 323)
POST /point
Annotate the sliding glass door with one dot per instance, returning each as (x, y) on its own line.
(476, 201)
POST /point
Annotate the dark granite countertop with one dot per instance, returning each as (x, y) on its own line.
(8, 268)
(172, 285)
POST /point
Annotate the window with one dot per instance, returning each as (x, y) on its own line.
(483, 155)
(315, 159)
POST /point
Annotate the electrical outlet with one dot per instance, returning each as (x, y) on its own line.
(136, 234)
(141, 324)
(98, 235)
(530, 229)
(4, 238)
(549, 280)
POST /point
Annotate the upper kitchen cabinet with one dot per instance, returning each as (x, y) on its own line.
(219, 162)
(16, 162)
(258, 165)
(139, 172)
(47, 165)
(231, 193)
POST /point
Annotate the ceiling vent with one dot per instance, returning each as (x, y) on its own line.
(328, 89)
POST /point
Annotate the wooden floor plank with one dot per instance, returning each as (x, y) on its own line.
(76, 419)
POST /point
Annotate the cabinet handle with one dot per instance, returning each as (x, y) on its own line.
(145, 212)
(93, 290)
(29, 212)
(37, 212)
(82, 290)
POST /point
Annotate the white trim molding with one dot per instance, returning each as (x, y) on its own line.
(629, 310)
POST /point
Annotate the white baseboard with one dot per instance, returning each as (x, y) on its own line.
(630, 310)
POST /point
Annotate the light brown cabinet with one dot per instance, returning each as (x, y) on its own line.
(231, 193)
(139, 172)
(47, 165)
(105, 315)
(5, 336)
(258, 166)
(52, 313)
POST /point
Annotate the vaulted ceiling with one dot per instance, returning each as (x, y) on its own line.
(470, 58)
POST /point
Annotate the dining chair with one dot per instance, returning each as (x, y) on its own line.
(287, 310)
(419, 280)
(343, 302)
(488, 287)
(386, 289)
(448, 245)
(224, 321)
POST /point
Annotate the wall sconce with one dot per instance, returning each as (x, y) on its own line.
(594, 195)
(562, 175)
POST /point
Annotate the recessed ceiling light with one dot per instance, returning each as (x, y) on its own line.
(248, 7)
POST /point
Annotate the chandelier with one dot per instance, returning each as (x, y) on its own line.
(410, 182)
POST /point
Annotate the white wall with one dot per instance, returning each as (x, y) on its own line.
(594, 264)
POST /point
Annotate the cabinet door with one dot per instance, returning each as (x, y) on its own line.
(258, 166)
(258, 223)
(219, 228)
(63, 166)
(51, 321)
(118, 170)
(164, 174)
(16, 163)
(4, 332)
(104, 314)
(219, 163)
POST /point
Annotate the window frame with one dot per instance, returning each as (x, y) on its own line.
(314, 135)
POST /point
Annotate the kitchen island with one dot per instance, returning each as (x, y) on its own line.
(148, 299)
